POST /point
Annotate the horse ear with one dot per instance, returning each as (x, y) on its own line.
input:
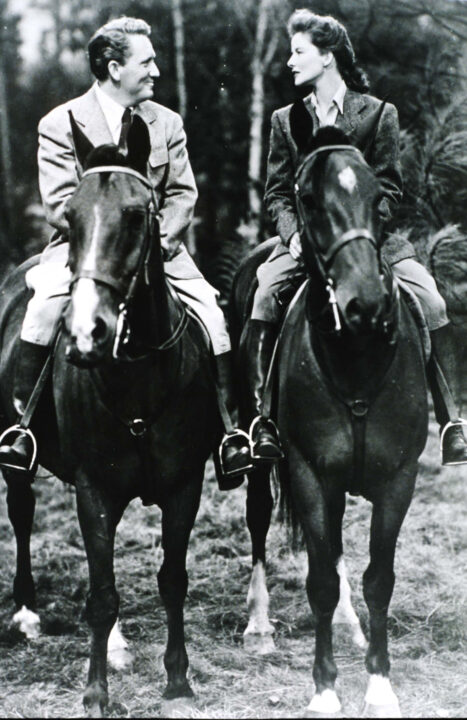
(83, 145)
(138, 144)
(301, 125)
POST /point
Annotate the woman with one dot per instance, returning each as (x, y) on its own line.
(322, 60)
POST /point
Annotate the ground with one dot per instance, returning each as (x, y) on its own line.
(46, 677)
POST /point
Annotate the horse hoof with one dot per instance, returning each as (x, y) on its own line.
(382, 711)
(324, 704)
(178, 708)
(27, 622)
(94, 711)
(259, 643)
(95, 700)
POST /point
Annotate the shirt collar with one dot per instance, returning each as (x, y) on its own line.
(110, 107)
(337, 100)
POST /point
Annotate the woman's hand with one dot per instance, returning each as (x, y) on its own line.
(295, 246)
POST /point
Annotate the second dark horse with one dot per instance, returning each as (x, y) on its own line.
(133, 414)
(351, 408)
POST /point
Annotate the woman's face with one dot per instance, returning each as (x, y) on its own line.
(306, 61)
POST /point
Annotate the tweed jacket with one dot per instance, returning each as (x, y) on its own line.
(355, 121)
(168, 168)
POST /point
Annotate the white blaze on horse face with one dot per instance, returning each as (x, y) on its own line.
(347, 179)
(90, 259)
(85, 304)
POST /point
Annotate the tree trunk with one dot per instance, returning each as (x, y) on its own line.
(6, 174)
(259, 66)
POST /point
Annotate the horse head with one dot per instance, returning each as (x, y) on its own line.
(111, 218)
(337, 199)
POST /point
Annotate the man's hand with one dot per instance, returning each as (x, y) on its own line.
(295, 246)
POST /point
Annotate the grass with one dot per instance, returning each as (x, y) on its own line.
(45, 678)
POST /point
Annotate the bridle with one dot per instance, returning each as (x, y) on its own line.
(127, 292)
(325, 259)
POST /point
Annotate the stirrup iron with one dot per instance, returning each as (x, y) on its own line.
(240, 471)
(19, 430)
(271, 425)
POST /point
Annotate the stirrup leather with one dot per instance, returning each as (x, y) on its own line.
(228, 436)
(18, 430)
(271, 425)
(451, 423)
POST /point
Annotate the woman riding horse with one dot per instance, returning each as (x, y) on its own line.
(322, 59)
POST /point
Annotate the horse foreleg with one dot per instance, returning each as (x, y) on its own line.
(98, 521)
(378, 582)
(178, 516)
(322, 582)
(21, 504)
(258, 636)
(344, 614)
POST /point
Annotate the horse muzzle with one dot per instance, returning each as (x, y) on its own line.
(90, 324)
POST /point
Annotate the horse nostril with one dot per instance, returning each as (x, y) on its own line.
(353, 311)
(99, 332)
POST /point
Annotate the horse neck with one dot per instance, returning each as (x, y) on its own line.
(355, 365)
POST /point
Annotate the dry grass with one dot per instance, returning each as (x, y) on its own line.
(427, 623)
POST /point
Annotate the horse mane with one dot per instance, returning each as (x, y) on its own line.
(327, 135)
(109, 154)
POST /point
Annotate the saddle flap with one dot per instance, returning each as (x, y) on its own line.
(413, 303)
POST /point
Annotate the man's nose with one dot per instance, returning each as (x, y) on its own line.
(154, 71)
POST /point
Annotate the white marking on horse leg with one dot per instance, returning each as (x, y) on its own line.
(118, 655)
(344, 612)
(325, 702)
(258, 635)
(381, 697)
(28, 622)
(85, 302)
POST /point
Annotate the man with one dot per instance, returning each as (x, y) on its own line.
(122, 59)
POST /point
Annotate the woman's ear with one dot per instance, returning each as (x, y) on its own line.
(328, 57)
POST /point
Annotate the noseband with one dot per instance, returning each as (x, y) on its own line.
(122, 333)
(324, 260)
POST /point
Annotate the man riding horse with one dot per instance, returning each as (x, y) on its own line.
(122, 59)
(322, 58)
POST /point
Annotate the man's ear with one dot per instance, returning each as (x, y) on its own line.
(83, 145)
(138, 145)
(114, 70)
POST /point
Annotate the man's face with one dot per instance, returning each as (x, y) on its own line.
(137, 75)
(306, 61)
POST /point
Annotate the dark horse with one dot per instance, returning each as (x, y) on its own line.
(351, 407)
(131, 408)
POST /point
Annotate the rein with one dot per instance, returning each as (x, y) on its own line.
(325, 260)
(122, 333)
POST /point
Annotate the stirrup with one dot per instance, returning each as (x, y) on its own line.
(239, 471)
(270, 425)
(452, 423)
(18, 430)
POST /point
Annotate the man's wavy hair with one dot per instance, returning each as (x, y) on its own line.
(329, 35)
(110, 42)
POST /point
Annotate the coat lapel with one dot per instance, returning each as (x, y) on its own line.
(354, 104)
(89, 115)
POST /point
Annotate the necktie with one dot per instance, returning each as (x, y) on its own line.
(126, 123)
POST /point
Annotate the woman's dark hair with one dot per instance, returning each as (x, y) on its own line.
(110, 42)
(329, 35)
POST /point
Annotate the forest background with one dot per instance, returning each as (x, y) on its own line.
(223, 67)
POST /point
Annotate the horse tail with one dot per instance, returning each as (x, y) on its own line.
(287, 514)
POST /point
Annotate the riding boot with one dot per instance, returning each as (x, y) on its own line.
(17, 448)
(234, 451)
(440, 374)
(259, 346)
